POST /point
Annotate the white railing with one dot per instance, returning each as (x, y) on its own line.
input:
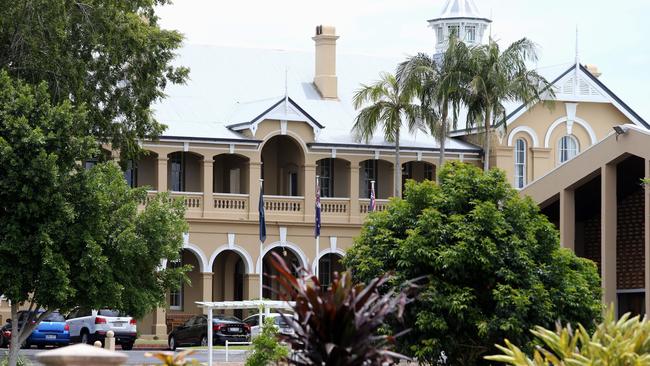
(335, 206)
(364, 204)
(230, 202)
(284, 204)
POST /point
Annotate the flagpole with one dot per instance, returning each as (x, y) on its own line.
(261, 209)
(372, 196)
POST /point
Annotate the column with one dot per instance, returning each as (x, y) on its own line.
(354, 192)
(208, 179)
(567, 219)
(608, 233)
(646, 231)
(162, 174)
(255, 173)
(251, 286)
(206, 281)
(310, 192)
(159, 323)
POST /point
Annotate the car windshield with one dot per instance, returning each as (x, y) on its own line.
(226, 318)
(54, 317)
(279, 320)
(110, 313)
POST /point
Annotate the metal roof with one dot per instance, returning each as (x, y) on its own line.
(460, 9)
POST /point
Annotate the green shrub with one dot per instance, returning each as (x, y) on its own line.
(614, 342)
(266, 347)
(21, 361)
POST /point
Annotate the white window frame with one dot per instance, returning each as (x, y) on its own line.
(440, 34)
(520, 166)
(470, 30)
(561, 150)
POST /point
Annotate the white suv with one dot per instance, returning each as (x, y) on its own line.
(88, 326)
(282, 326)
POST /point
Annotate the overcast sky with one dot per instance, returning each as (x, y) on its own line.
(614, 35)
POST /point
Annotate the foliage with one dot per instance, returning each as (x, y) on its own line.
(389, 106)
(111, 56)
(68, 236)
(173, 359)
(266, 346)
(441, 85)
(20, 362)
(493, 261)
(339, 325)
(502, 77)
(625, 341)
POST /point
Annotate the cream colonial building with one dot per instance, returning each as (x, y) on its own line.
(286, 117)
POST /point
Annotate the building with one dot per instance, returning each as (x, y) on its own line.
(286, 117)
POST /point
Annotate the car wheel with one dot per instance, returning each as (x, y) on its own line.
(85, 337)
(172, 343)
(127, 346)
(204, 341)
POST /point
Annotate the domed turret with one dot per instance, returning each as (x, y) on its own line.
(460, 17)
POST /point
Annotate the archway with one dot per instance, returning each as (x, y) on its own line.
(282, 167)
(334, 174)
(144, 171)
(184, 172)
(271, 286)
(231, 174)
(418, 171)
(380, 171)
(329, 264)
(228, 271)
(182, 301)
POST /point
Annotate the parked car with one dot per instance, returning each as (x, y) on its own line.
(194, 331)
(88, 326)
(52, 330)
(278, 321)
(5, 334)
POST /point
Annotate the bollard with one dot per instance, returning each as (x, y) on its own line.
(97, 344)
(109, 342)
(81, 355)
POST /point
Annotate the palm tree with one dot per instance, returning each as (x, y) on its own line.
(441, 86)
(389, 107)
(499, 77)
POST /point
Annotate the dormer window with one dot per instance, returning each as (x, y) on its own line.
(470, 33)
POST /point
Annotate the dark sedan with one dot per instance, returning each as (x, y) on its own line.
(194, 331)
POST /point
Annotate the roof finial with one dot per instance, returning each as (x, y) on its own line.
(491, 17)
(286, 90)
(577, 53)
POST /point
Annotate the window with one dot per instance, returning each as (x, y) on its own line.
(428, 171)
(369, 174)
(326, 173)
(453, 30)
(567, 148)
(176, 296)
(520, 163)
(88, 164)
(407, 173)
(470, 33)
(131, 174)
(631, 301)
(439, 35)
(325, 271)
(177, 164)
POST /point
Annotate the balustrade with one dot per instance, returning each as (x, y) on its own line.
(364, 205)
(230, 202)
(284, 204)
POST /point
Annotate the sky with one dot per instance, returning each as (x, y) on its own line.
(613, 35)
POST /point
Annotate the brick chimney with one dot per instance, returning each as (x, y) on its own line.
(325, 74)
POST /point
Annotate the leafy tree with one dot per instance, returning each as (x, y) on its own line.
(266, 347)
(493, 261)
(111, 56)
(441, 86)
(621, 341)
(501, 77)
(389, 107)
(68, 236)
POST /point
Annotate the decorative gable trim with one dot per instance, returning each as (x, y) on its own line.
(286, 109)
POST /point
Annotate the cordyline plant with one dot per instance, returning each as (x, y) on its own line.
(339, 325)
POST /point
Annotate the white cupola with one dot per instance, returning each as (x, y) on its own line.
(461, 17)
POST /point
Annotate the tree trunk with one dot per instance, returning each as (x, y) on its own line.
(398, 169)
(14, 348)
(488, 127)
(443, 138)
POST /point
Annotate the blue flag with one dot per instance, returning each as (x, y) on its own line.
(262, 220)
(318, 207)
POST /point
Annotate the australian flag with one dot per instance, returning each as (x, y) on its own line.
(318, 207)
(371, 208)
(261, 212)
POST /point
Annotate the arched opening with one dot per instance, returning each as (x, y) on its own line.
(520, 163)
(568, 147)
(182, 300)
(329, 264)
(230, 174)
(271, 286)
(184, 172)
(379, 171)
(418, 171)
(334, 175)
(142, 172)
(228, 279)
(282, 167)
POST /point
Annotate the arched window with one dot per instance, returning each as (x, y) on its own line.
(567, 148)
(520, 163)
